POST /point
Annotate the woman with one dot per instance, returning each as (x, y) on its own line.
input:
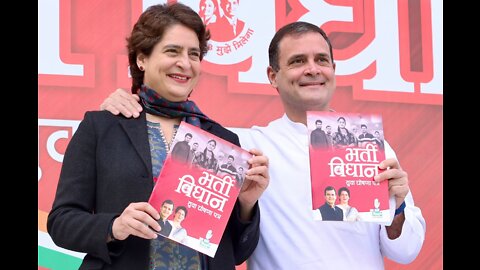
(101, 205)
(178, 232)
(208, 11)
(350, 213)
(343, 138)
(206, 159)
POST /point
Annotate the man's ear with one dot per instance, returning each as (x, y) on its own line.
(272, 76)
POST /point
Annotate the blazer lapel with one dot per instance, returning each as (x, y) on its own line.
(136, 130)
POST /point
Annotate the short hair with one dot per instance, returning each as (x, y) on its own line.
(230, 156)
(328, 188)
(168, 201)
(292, 29)
(150, 28)
(189, 135)
(318, 121)
(181, 207)
(363, 125)
(344, 189)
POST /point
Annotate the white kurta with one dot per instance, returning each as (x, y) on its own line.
(291, 239)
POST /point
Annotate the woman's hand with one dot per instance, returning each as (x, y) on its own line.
(255, 183)
(136, 220)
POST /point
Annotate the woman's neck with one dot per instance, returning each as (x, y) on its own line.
(166, 124)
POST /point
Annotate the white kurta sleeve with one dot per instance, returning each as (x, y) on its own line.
(407, 246)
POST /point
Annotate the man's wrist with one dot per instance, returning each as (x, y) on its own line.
(400, 209)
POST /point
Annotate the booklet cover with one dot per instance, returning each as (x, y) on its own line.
(345, 150)
(197, 188)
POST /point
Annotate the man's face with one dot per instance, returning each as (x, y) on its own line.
(306, 77)
(319, 125)
(195, 146)
(231, 7)
(166, 210)
(330, 197)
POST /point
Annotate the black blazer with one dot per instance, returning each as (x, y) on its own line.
(107, 166)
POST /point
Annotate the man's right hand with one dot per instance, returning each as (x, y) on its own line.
(122, 102)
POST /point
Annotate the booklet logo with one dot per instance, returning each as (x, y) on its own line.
(376, 212)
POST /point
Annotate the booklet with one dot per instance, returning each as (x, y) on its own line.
(345, 151)
(197, 188)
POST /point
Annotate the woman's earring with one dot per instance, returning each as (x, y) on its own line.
(141, 68)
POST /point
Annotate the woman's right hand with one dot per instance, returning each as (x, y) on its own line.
(137, 219)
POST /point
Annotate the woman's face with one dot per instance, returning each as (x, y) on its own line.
(173, 68)
(179, 216)
(211, 146)
(344, 197)
(209, 8)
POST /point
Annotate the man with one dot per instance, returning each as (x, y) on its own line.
(329, 135)
(181, 150)
(220, 156)
(329, 211)
(365, 137)
(355, 134)
(378, 140)
(193, 152)
(228, 167)
(318, 138)
(303, 72)
(228, 26)
(240, 175)
(165, 212)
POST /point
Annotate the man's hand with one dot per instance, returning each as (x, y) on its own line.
(397, 179)
(122, 102)
(398, 187)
